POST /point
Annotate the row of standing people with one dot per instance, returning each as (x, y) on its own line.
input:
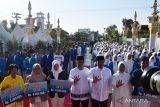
(105, 87)
(135, 61)
(95, 84)
(36, 75)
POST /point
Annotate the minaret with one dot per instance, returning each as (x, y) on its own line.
(58, 32)
(29, 9)
(30, 21)
(135, 28)
(153, 26)
(135, 16)
(49, 26)
(48, 20)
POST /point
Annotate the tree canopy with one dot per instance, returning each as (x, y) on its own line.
(111, 34)
(80, 36)
(127, 26)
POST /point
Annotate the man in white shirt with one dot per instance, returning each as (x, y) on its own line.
(80, 85)
(100, 77)
(79, 49)
(58, 56)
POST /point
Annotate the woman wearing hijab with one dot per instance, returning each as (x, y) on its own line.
(107, 60)
(57, 98)
(152, 61)
(120, 83)
(37, 76)
(129, 63)
(113, 64)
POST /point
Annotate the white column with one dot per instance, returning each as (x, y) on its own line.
(152, 41)
(58, 39)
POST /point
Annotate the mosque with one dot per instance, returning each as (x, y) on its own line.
(28, 34)
(152, 30)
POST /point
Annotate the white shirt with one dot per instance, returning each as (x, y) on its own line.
(60, 58)
(129, 66)
(115, 66)
(55, 74)
(79, 50)
(87, 59)
(29, 59)
(14, 58)
(101, 89)
(82, 86)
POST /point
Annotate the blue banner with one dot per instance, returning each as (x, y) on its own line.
(60, 85)
(12, 94)
(36, 89)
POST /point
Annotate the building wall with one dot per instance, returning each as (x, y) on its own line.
(84, 30)
(141, 40)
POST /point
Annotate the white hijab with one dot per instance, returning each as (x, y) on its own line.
(119, 64)
(151, 61)
(107, 59)
(129, 64)
(56, 72)
(115, 67)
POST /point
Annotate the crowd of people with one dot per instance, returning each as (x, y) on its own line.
(100, 73)
(26, 58)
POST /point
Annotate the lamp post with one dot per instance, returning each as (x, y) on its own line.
(16, 16)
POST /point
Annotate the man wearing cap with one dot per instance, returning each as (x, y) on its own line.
(100, 78)
(80, 85)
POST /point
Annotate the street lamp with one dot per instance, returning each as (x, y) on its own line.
(16, 16)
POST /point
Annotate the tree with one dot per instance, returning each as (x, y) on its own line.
(53, 34)
(80, 36)
(13, 44)
(112, 34)
(12, 24)
(40, 44)
(5, 25)
(64, 35)
(127, 24)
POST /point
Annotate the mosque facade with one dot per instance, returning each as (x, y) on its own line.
(30, 33)
(151, 31)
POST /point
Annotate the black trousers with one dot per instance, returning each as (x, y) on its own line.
(96, 103)
(76, 103)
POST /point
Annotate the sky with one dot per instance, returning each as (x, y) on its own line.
(75, 14)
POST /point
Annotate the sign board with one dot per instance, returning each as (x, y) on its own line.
(12, 94)
(60, 85)
(36, 89)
